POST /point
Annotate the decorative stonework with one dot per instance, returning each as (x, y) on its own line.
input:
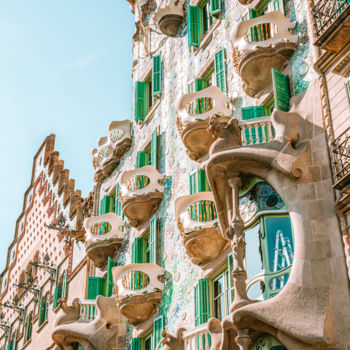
(255, 57)
(111, 148)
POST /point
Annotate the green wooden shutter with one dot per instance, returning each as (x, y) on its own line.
(230, 278)
(109, 282)
(41, 311)
(193, 25)
(220, 70)
(193, 183)
(281, 89)
(157, 75)
(105, 206)
(154, 149)
(253, 112)
(28, 328)
(153, 239)
(9, 346)
(118, 203)
(201, 300)
(203, 185)
(199, 84)
(96, 286)
(140, 100)
(158, 326)
(64, 284)
(57, 295)
(14, 344)
(138, 250)
(215, 7)
(135, 344)
(140, 159)
(46, 309)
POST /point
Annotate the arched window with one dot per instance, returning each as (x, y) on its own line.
(60, 290)
(28, 327)
(43, 309)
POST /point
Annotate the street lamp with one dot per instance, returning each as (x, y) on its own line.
(65, 230)
(14, 306)
(4, 326)
(28, 287)
(47, 266)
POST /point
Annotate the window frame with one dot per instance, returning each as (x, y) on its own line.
(147, 335)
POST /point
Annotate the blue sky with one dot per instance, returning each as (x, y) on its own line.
(65, 68)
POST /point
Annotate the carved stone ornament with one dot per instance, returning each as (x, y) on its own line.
(170, 342)
(169, 16)
(111, 148)
(194, 111)
(140, 193)
(255, 58)
(104, 236)
(95, 327)
(311, 310)
(202, 240)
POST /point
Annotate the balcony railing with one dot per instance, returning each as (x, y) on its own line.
(137, 279)
(341, 160)
(256, 131)
(87, 310)
(328, 15)
(104, 227)
(273, 282)
(138, 182)
(197, 338)
(203, 104)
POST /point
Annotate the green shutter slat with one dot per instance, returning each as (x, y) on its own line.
(57, 296)
(42, 311)
(193, 25)
(199, 84)
(215, 7)
(158, 326)
(135, 344)
(201, 298)
(106, 205)
(96, 286)
(140, 159)
(140, 100)
(118, 203)
(154, 149)
(64, 284)
(153, 239)
(109, 282)
(193, 183)
(230, 278)
(220, 70)
(281, 89)
(157, 75)
(138, 249)
(203, 185)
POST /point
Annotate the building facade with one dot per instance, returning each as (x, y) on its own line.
(220, 215)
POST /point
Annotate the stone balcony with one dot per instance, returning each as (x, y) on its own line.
(104, 235)
(139, 290)
(169, 16)
(92, 324)
(331, 24)
(194, 112)
(261, 44)
(111, 148)
(140, 193)
(198, 224)
(256, 131)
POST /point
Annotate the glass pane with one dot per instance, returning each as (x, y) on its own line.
(219, 310)
(218, 286)
(253, 257)
(148, 343)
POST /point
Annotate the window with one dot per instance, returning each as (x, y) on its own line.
(43, 309)
(200, 20)
(109, 281)
(149, 156)
(60, 290)
(149, 90)
(28, 327)
(199, 182)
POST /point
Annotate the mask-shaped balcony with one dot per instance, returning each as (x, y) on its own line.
(139, 290)
(169, 16)
(92, 324)
(140, 193)
(194, 111)
(104, 235)
(198, 223)
(111, 148)
(262, 43)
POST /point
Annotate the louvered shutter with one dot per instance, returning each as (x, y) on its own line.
(153, 239)
(46, 308)
(118, 203)
(154, 149)
(203, 185)
(230, 278)
(57, 295)
(105, 205)
(96, 286)
(215, 7)
(41, 311)
(201, 299)
(140, 159)
(14, 344)
(109, 282)
(158, 326)
(220, 70)
(281, 89)
(157, 75)
(140, 100)
(193, 25)
(135, 344)
(199, 84)
(138, 250)
(64, 285)
(193, 183)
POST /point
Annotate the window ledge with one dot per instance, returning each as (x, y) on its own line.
(208, 36)
(150, 113)
(26, 343)
(42, 326)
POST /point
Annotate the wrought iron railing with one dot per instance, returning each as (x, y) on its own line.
(341, 160)
(326, 13)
